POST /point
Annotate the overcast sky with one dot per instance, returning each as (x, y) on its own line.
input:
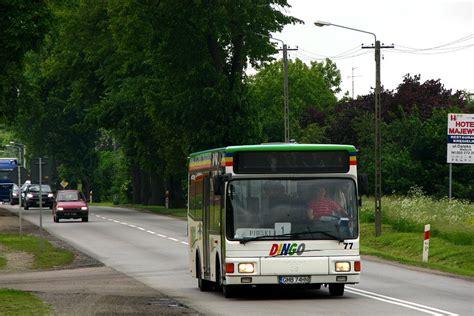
(410, 25)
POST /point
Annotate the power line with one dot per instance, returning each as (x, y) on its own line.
(441, 51)
(459, 40)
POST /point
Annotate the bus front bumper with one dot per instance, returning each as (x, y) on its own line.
(295, 279)
(294, 270)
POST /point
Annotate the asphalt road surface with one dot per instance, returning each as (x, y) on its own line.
(153, 249)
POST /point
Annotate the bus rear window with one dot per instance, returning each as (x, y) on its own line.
(331, 161)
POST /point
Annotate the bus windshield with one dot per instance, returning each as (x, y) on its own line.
(273, 209)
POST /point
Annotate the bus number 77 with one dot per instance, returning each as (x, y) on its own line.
(348, 245)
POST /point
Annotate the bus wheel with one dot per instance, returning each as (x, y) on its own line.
(336, 289)
(218, 285)
(204, 285)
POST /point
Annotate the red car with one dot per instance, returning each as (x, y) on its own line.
(70, 204)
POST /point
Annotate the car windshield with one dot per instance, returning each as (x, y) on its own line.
(291, 209)
(69, 196)
(36, 188)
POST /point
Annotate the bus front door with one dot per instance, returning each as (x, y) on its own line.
(205, 229)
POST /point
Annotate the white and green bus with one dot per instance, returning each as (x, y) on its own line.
(250, 220)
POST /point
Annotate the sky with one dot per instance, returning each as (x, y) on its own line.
(412, 26)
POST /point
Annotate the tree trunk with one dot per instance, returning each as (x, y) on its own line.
(157, 190)
(145, 187)
(136, 185)
(177, 199)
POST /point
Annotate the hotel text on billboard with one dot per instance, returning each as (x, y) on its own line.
(460, 138)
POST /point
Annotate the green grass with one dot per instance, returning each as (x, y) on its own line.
(407, 248)
(404, 218)
(44, 254)
(3, 262)
(14, 302)
(177, 212)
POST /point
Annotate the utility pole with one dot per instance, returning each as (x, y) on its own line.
(378, 140)
(286, 114)
(352, 77)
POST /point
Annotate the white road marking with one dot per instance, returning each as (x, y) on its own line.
(140, 228)
(396, 301)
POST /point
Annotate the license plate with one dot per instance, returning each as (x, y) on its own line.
(294, 279)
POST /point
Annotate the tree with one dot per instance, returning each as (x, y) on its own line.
(414, 123)
(311, 91)
(23, 25)
(164, 78)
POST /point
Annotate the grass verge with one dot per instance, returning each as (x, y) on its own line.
(407, 248)
(161, 210)
(15, 302)
(3, 262)
(44, 254)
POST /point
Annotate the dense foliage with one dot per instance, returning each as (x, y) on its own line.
(120, 92)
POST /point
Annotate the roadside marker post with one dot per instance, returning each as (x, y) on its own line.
(426, 243)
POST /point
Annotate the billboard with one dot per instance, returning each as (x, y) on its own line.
(460, 138)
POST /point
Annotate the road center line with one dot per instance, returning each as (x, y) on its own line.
(141, 228)
(396, 301)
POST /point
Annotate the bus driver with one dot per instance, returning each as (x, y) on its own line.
(321, 206)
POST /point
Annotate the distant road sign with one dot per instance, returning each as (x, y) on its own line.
(64, 183)
(45, 171)
(460, 138)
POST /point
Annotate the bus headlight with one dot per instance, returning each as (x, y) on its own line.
(246, 267)
(343, 266)
(60, 209)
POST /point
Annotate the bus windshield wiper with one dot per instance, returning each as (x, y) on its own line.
(244, 240)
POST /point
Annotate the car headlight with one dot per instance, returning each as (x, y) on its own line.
(60, 209)
(15, 194)
(246, 267)
(50, 195)
(343, 266)
(84, 208)
(29, 195)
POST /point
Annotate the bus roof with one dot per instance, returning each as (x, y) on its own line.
(278, 147)
(8, 163)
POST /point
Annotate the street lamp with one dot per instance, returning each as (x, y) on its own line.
(378, 137)
(23, 149)
(285, 87)
(18, 167)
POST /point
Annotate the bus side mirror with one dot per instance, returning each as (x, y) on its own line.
(218, 184)
(363, 183)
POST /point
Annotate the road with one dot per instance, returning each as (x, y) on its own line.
(153, 250)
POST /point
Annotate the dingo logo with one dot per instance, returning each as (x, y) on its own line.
(453, 117)
(287, 249)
